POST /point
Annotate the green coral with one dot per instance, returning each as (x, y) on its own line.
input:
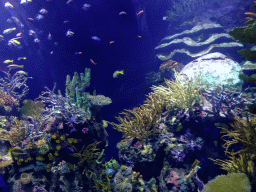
(75, 89)
(247, 53)
(232, 183)
(249, 79)
(245, 34)
(113, 164)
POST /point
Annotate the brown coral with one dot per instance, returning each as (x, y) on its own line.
(141, 122)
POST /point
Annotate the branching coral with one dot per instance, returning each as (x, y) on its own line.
(243, 132)
(16, 134)
(15, 85)
(31, 108)
(241, 161)
(180, 94)
(88, 154)
(141, 122)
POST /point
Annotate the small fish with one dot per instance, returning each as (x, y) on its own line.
(56, 43)
(96, 38)
(8, 31)
(78, 53)
(67, 21)
(142, 11)
(43, 11)
(19, 34)
(31, 32)
(122, 13)
(86, 6)
(14, 66)
(14, 42)
(30, 19)
(21, 58)
(139, 36)
(165, 18)
(17, 21)
(69, 2)
(36, 40)
(51, 52)
(39, 17)
(92, 62)
(49, 37)
(1, 37)
(111, 42)
(9, 20)
(117, 73)
(22, 73)
(69, 33)
(8, 61)
(8, 5)
(25, 1)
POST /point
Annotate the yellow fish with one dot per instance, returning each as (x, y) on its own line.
(22, 73)
(117, 73)
(14, 66)
(8, 61)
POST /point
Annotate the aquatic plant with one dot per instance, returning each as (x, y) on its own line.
(141, 122)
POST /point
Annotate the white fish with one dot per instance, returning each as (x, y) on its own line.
(43, 11)
(69, 33)
(39, 17)
(8, 5)
(86, 6)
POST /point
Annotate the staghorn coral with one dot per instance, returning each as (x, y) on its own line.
(180, 94)
(141, 122)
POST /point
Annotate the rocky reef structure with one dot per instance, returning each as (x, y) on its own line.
(214, 68)
(200, 40)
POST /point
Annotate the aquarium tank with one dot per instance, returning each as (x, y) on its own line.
(127, 96)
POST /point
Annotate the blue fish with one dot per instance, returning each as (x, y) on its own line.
(96, 38)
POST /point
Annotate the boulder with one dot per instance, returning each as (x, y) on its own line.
(215, 68)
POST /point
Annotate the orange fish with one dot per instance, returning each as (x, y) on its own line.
(93, 62)
(66, 21)
(111, 42)
(140, 12)
(139, 36)
(51, 52)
